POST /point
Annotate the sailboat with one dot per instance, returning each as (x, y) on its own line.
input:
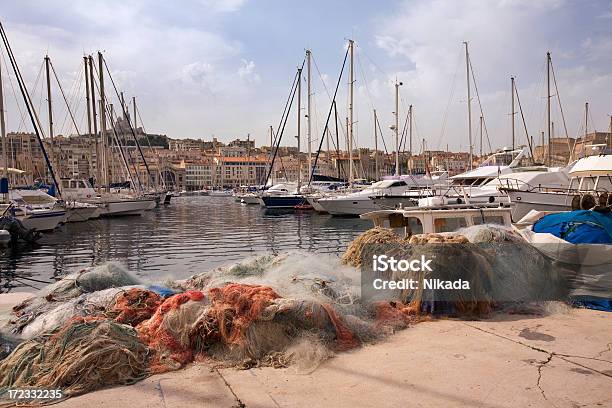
(287, 195)
(40, 216)
(111, 203)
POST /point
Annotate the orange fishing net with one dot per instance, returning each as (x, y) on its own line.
(165, 332)
(236, 306)
(134, 306)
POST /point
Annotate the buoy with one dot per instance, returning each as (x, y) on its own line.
(5, 237)
(587, 202)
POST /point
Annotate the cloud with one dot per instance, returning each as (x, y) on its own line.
(247, 72)
(223, 6)
(423, 39)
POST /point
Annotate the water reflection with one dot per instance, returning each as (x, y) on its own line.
(191, 235)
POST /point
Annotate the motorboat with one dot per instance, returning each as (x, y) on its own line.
(110, 204)
(282, 195)
(360, 202)
(440, 219)
(589, 184)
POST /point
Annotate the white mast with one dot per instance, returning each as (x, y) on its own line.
(410, 135)
(309, 124)
(50, 110)
(396, 127)
(3, 134)
(377, 170)
(548, 105)
(512, 112)
(350, 118)
(299, 128)
(469, 103)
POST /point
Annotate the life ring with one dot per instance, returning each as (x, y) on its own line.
(576, 203)
(603, 199)
(587, 202)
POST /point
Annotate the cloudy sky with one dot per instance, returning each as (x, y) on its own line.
(224, 67)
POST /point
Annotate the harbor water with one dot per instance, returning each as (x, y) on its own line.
(191, 235)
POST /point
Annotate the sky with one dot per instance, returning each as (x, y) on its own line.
(224, 68)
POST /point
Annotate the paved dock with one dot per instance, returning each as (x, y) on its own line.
(561, 360)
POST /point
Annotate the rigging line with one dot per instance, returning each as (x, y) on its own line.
(71, 100)
(21, 114)
(129, 124)
(109, 116)
(65, 100)
(450, 98)
(524, 123)
(382, 136)
(283, 122)
(28, 103)
(155, 153)
(389, 77)
(314, 166)
(328, 94)
(480, 105)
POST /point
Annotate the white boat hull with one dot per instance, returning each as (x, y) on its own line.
(524, 201)
(44, 220)
(347, 206)
(314, 202)
(80, 214)
(125, 207)
(250, 199)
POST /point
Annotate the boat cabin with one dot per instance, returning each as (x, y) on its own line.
(425, 220)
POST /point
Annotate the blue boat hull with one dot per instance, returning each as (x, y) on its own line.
(283, 201)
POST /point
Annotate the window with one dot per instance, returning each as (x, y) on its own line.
(488, 219)
(449, 224)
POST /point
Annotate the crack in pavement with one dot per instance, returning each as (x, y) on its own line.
(550, 355)
(608, 348)
(161, 391)
(239, 403)
(540, 366)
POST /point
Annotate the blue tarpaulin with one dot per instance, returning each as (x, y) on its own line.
(578, 227)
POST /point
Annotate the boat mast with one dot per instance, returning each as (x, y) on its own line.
(94, 120)
(376, 170)
(549, 157)
(299, 128)
(87, 100)
(469, 103)
(309, 110)
(586, 120)
(410, 135)
(481, 123)
(3, 135)
(50, 110)
(397, 146)
(511, 114)
(271, 147)
(103, 121)
(248, 178)
(350, 107)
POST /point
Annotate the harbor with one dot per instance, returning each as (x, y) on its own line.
(197, 210)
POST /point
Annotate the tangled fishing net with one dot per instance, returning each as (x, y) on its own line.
(79, 357)
(100, 327)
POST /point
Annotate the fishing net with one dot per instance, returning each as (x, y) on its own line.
(168, 330)
(81, 356)
(354, 254)
(81, 293)
(38, 318)
(134, 306)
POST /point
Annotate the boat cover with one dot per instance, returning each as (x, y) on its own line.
(578, 227)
